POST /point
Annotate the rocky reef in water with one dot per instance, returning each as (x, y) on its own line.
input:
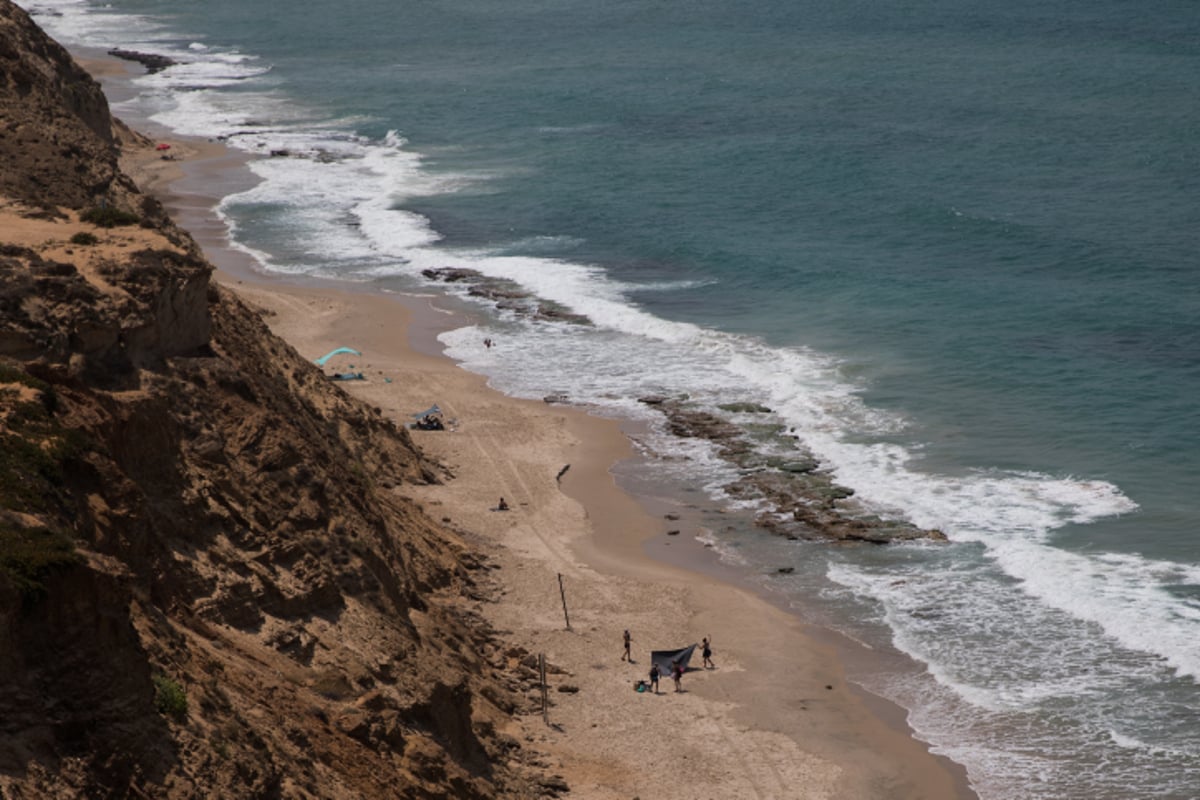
(153, 62)
(505, 295)
(803, 499)
(208, 585)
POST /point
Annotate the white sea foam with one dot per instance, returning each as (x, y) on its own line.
(721, 548)
(1012, 515)
(83, 23)
(665, 286)
(1019, 688)
(536, 245)
(1128, 742)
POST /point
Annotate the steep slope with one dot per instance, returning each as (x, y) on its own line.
(207, 586)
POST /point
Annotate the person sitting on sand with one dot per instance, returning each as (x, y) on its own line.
(502, 506)
(654, 677)
(707, 651)
(677, 675)
(626, 655)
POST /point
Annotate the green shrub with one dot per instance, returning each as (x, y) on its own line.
(84, 238)
(109, 217)
(28, 474)
(31, 467)
(30, 415)
(34, 445)
(11, 374)
(28, 555)
(169, 697)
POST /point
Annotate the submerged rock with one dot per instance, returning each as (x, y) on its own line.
(452, 274)
(553, 312)
(744, 408)
(798, 466)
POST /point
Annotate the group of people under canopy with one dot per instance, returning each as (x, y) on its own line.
(430, 420)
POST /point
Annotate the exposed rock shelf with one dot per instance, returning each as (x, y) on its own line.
(804, 501)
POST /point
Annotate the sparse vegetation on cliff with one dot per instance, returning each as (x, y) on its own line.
(33, 445)
(28, 555)
(109, 217)
(169, 697)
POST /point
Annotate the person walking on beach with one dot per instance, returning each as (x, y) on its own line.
(626, 655)
(654, 677)
(707, 651)
(677, 675)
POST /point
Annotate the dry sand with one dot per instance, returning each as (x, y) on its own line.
(775, 719)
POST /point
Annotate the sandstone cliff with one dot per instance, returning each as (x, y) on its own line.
(207, 585)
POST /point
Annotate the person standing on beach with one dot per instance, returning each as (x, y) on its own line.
(707, 651)
(626, 655)
(677, 675)
(654, 677)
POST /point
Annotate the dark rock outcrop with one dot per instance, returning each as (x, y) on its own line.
(153, 62)
(804, 501)
(505, 294)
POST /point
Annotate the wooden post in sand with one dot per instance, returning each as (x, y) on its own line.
(563, 592)
(545, 697)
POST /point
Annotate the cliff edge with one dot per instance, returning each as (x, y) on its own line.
(208, 586)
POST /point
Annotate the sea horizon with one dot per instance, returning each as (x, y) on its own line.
(951, 255)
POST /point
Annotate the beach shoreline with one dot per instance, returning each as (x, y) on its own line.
(776, 719)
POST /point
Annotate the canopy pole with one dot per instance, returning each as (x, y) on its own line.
(563, 593)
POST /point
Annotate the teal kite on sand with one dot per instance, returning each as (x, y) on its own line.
(320, 362)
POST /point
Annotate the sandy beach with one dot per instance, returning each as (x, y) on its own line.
(775, 718)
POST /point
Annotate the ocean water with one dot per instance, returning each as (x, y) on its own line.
(954, 247)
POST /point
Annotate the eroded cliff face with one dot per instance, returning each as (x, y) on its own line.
(208, 586)
(57, 140)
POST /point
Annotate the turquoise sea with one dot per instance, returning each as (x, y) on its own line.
(954, 246)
